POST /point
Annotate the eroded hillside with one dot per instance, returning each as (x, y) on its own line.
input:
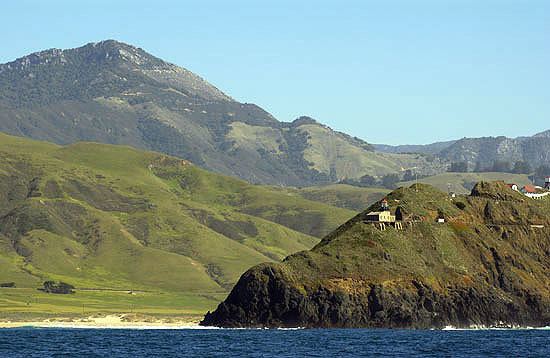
(102, 216)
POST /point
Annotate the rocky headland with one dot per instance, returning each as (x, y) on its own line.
(487, 263)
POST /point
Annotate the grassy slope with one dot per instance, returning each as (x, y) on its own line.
(358, 198)
(327, 151)
(436, 252)
(462, 183)
(465, 252)
(112, 217)
(342, 195)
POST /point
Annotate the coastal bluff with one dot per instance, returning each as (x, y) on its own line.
(475, 260)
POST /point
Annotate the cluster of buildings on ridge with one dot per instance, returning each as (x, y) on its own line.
(533, 191)
(385, 218)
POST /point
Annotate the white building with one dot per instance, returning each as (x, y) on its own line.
(380, 216)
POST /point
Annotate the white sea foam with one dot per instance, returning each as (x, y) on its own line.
(494, 328)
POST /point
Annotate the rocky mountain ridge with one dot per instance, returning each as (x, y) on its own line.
(115, 93)
(485, 151)
(123, 61)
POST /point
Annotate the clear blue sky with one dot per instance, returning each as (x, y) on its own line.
(387, 71)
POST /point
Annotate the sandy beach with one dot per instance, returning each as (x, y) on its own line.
(113, 321)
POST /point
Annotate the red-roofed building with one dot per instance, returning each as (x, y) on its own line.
(534, 192)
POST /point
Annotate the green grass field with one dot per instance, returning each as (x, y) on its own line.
(28, 303)
(109, 217)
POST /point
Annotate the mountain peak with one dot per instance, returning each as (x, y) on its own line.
(302, 120)
(113, 49)
(92, 53)
(110, 43)
(99, 65)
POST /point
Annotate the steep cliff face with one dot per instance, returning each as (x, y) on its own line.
(488, 264)
(483, 152)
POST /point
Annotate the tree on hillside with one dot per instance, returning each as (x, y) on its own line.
(389, 180)
(479, 168)
(522, 167)
(368, 180)
(58, 287)
(502, 166)
(409, 175)
(459, 167)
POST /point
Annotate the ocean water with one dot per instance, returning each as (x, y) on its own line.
(53, 342)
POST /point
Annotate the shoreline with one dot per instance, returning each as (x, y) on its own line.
(112, 321)
(120, 321)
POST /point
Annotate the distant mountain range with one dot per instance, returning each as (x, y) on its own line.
(484, 152)
(433, 148)
(115, 93)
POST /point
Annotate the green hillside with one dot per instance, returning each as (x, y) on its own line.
(462, 183)
(105, 217)
(343, 195)
(485, 264)
(358, 198)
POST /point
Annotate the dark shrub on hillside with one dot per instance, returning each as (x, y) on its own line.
(459, 167)
(390, 180)
(409, 175)
(502, 166)
(368, 180)
(460, 205)
(7, 284)
(479, 168)
(58, 287)
(522, 167)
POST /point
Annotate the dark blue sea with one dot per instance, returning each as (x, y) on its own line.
(50, 342)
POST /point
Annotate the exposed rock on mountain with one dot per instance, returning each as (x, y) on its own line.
(487, 264)
(482, 153)
(433, 148)
(483, 150)
(115, 93)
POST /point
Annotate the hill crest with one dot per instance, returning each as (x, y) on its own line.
(111, 92)
(485, 265)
